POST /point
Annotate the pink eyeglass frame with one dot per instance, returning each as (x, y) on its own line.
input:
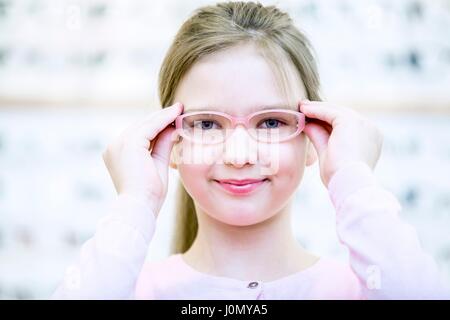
(244, 120)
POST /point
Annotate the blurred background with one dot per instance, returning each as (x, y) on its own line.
(74, 74)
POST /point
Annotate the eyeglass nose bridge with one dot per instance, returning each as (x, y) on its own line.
(240, 120)
(235, 121)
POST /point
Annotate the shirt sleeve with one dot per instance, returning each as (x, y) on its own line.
(110, 262)
(384, 251)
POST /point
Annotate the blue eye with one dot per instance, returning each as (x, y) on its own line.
(272, 123)
(205, 124)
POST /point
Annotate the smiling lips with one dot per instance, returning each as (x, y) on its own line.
(240, 187)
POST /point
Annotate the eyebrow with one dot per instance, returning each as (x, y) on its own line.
(265, 107)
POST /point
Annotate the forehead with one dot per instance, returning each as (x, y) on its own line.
(237, 81)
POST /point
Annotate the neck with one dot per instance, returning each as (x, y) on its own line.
(266, 251)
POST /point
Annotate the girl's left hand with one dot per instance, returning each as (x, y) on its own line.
(340, 136)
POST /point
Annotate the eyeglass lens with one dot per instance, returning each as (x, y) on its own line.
(265, 127)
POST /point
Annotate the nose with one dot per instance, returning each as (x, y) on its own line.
(240, 148)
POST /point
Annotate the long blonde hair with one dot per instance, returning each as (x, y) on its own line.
(216, 27)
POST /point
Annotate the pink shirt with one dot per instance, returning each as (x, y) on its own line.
(386, 260)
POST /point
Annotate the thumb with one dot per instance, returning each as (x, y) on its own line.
(162, 148)
(318, 135)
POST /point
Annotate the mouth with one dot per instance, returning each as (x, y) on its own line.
(241, 187)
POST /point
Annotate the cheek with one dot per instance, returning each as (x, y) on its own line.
(194, 167)
(291, 161)
(194, 177)
(195, 154)
(286, 158)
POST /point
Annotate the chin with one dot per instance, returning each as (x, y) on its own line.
(241, 216)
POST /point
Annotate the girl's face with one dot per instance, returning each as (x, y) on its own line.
(239, 81)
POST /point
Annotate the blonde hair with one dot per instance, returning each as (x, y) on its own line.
(216, 27)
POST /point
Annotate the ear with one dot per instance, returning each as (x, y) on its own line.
(311, 154)
(172, 162)
(174, 154)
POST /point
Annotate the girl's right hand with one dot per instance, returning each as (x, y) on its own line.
(138, 159)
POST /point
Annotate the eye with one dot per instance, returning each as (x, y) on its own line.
(272, 123)
(205, 124)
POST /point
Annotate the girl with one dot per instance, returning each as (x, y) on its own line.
(235, 71)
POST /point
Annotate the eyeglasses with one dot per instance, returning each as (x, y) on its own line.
(268, 126)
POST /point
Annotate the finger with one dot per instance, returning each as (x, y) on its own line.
(162, 148)
(160, 117)
(162, 112)
(150, 128)
(324, 124)
(318, 136)
(321, 111)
